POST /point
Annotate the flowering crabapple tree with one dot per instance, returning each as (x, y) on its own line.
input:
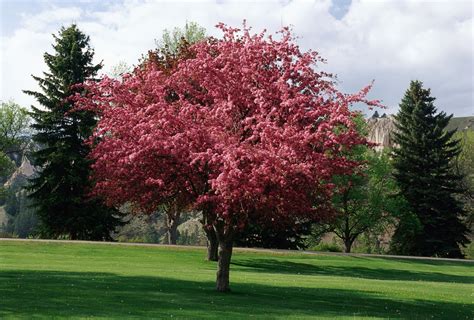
(172, 49)
(245, 130)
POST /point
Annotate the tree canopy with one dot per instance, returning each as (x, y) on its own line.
(14, 122)
(242, 129)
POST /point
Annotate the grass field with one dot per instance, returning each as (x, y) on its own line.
(46, 280)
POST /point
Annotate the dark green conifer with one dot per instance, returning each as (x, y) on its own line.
(60, 191)
(423, 162)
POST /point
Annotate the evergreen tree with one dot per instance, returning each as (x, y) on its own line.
(60, 191)
(423, 169)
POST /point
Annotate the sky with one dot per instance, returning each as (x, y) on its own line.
(389, 42)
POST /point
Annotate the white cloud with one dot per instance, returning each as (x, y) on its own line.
(22, 55)
(50, 17)
(389, 41)
(398, 41)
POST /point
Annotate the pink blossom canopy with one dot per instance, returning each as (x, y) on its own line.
(246, 126)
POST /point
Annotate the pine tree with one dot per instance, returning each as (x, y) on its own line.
(423, 163)
(60, 191)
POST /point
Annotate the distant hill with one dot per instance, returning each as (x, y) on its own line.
(461, 123)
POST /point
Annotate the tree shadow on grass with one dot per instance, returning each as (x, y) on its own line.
(29, 294)
(430, 262)
(289, 267)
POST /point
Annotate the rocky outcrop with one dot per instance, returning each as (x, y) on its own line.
(380, 128)
(24, 171)
(380, 131)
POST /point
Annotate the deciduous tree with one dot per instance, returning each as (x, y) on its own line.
(14, 122)
(464, 164)
(367, 199)
(171, 49)
(250, 131)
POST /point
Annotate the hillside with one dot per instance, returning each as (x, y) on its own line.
(46, 280)
(461, 123)
(380, 129)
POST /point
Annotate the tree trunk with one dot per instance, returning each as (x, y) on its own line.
(172, 232)
(347, 246)
(378, 245)
(172, 220)
(212, 244)
(223, 265)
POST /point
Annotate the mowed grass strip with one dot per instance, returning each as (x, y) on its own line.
(57, 280)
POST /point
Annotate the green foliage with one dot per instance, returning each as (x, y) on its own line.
(60, 190)
(326, 247)
(7, 166)
(371, 242)
(407, 229)
(72, 281)
(464, 164)
(12, 202)
(118, 70)
(423, 163)
(469, 251)
(14, 122)
(366, 201)
(172, 40)
(25, 224)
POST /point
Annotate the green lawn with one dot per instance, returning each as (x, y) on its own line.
(46, 280)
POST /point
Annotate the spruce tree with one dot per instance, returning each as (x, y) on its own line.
(423, 162)
(60, 191)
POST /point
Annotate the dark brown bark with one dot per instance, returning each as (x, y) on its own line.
(347, 229)
(347, 246)
(172, 221)
(212, 244)
(172, 232)
(223, 264)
